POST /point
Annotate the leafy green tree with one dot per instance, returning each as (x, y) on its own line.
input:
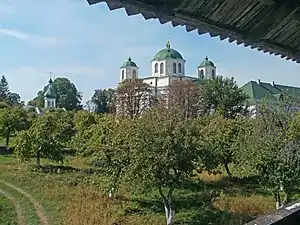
(104, 100)
(164, 152)
(14, 99)
(4, 89)
(12, 119)
(222, 95)
(219, 138)
(44, 138)
(83, 120)
(272, 150)
(68, 96)
(109, 144)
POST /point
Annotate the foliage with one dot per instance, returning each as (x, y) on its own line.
(219, 138)
(222, 95)
(68, 96)
(104, 101)
(133, 97)
(185, 95)
(12, 119)
(8, 97)
(83, 120)
(164, 153)
(44, 138)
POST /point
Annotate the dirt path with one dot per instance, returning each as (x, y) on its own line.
(38, 208)
(20, 216)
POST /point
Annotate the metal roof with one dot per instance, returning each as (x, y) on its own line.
(271, 26)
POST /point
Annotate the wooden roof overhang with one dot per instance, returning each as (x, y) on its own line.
(271, 26)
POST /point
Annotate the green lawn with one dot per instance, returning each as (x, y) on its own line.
(8, 215)
(75, 197)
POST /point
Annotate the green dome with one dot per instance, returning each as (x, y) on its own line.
(167, 53)
(206, 62)
(50, 92)
(129, 63)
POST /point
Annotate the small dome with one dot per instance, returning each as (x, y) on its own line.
(206, 62)
(129, 63)
(167, 53)
(50, 92)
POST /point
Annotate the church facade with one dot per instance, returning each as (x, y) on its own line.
(167, 66)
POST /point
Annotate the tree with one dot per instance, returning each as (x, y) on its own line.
(68, 96)
(272, 150)
(133, 97)
(44, 138)
(12, 99)
(83, 120)
(164, 152)
(104, 100)
(185, 95)
(12, 120)
(109, 144)
(4, 89)
(219, 137)
(222, 95)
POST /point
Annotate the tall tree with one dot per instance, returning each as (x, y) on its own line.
(104, 100)
(68, 96)
(4, 89)
(133, 97)
(222, 95)
(184, 95)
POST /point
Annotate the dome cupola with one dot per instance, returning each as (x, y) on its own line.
(129, 70)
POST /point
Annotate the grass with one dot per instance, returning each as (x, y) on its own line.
(7, 212)
(74, 195)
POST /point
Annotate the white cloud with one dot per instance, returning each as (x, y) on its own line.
(36, 39)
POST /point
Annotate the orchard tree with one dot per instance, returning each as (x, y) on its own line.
(185, 95)
(44, 138)
(222, 95)
(68, 96)
(12, 120)
(164, 152)
(220, 137)
(83, 120)
(104, 101)
(271, 148)
(111, 149)
(133, 97)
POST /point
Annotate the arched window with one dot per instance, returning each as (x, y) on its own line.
(161, 68)
(174, 67)
(200, 74)
(213, 73)
(156, 68)
(134, 74)
(123, 74)
(179, 68)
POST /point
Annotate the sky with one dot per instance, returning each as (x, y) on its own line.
(88, 44)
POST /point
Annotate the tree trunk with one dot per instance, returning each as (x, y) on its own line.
(278, 199)
(38, 159)
(170, 213)
(7, 140)
(227, 168)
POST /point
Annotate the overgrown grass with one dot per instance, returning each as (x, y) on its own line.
(8, 214)
(73, 194)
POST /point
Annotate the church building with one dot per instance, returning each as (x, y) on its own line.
(167, 66)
